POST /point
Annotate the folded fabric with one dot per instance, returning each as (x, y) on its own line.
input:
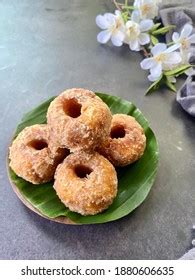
(190, 255)
(177, 16)
(174, 3)
(171, 13)
(186, 95)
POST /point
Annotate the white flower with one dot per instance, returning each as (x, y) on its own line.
(136, 32)
(163, 59)
(148, 9)
(113, 26)
(185, 38)
(185, 56)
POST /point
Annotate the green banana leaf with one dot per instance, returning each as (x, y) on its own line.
(134, 181)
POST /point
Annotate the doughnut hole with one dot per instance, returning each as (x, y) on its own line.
(38, 144)
(72, 107)
(82, 171)
(118, 131)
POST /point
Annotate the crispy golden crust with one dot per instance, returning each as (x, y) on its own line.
(84, 192)
(30, 156)
(78, 119)
(126, 143)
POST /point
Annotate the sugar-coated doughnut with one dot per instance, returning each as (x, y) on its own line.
(86, 183)
(78, 120)
(30, 156)
(126, 142)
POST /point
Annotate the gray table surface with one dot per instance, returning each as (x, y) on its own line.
(49, 46)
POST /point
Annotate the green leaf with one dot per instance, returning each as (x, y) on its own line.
(155, 26)
(154, 40)
(154, 86)
(163, 30)
(170, 85)
(134, 181)
(125, 16)
(177, 71)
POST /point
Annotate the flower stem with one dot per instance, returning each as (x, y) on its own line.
(117, 5)
(146, 53)
(170, 43)
(123, 7)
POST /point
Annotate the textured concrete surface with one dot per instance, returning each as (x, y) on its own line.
(48, 46)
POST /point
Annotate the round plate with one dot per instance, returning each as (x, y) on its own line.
(60, 219)
(134, 181)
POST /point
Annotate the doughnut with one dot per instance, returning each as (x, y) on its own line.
(86, 183)
(78, 120)
(126, 142)
(30, 156)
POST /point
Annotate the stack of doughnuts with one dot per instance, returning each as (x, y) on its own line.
(78, 148)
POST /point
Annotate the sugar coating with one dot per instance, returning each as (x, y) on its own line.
(126, 150)
(89, 195)
(84, 132)
(35, 166)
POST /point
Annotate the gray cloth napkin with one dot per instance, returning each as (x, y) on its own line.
(190, 255)
(186, 95)
(178, 16)
(179, 13)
